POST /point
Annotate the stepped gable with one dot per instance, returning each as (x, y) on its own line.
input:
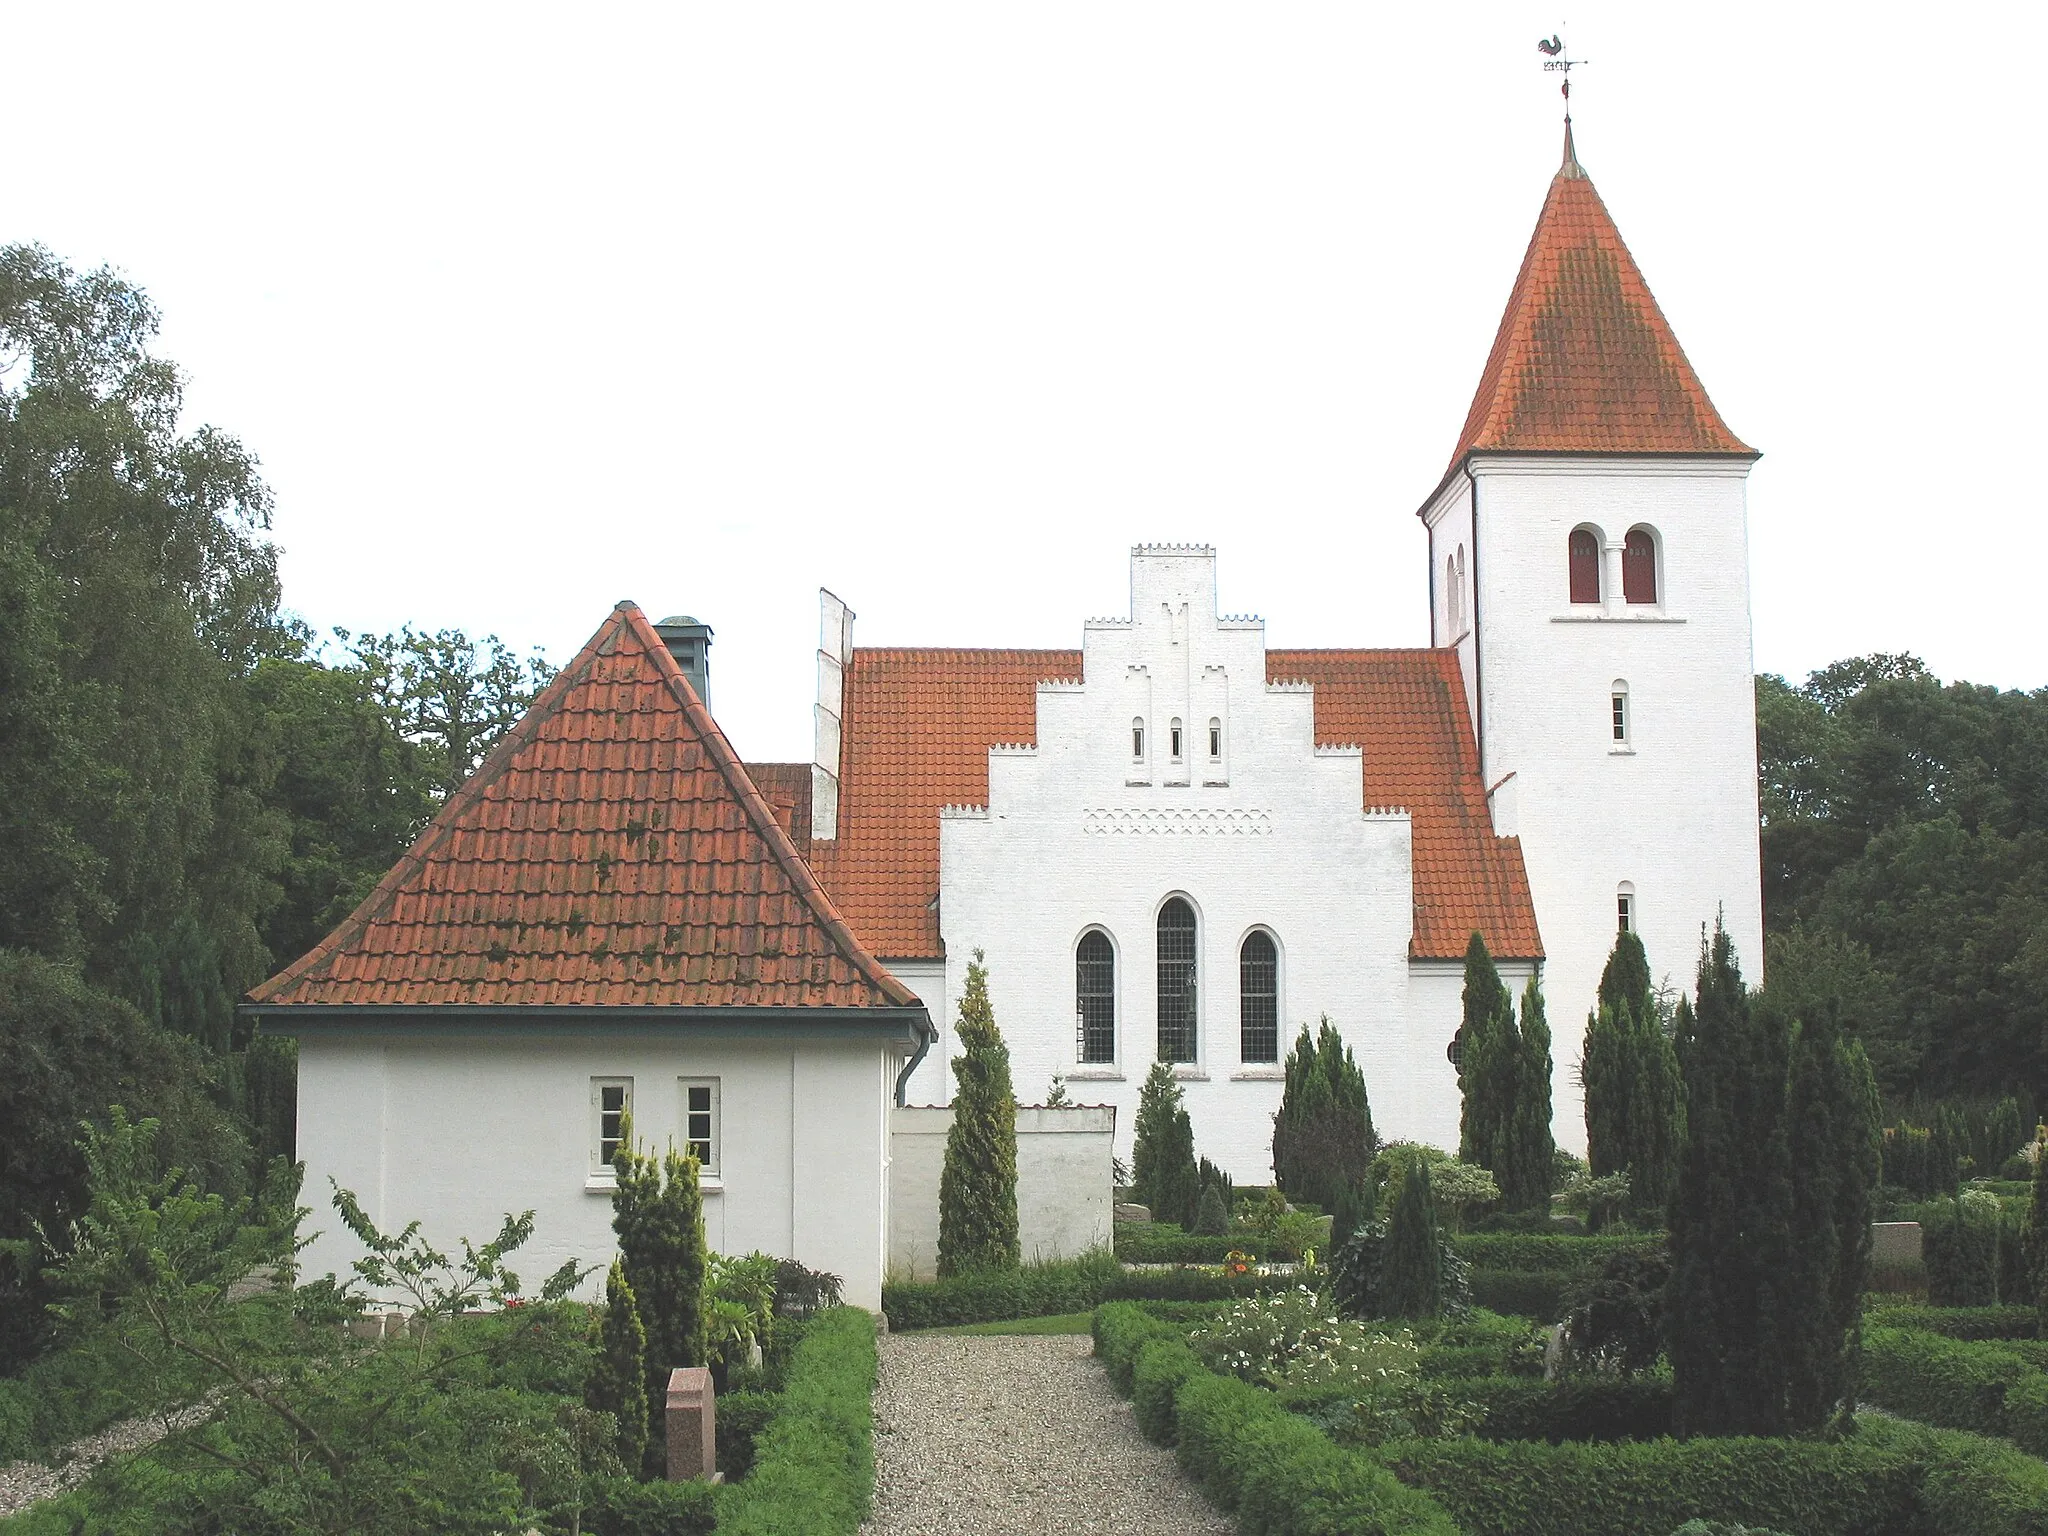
(1584, 361)
(610, 851)
(918, 725)
(1406, 710)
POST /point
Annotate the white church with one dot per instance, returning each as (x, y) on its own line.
(1170, 842)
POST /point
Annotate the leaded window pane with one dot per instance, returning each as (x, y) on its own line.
(1177, 970)
(1095, 998)
(1258, 978)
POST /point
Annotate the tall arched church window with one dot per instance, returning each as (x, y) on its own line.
(1258, 998)
(1095, 998)
(1584, 557)
(1177, 972)
(1639, 567)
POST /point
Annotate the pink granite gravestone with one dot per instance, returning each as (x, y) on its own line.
(692, 1433)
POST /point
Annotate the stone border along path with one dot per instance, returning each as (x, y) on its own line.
(1018, 1435)
(30, 1482)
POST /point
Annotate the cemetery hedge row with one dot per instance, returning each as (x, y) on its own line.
(1894, 1478)
(1958, 1384)
(1277, 1472)
(1046, 1290)
(814, 1462)
(1959, 1322)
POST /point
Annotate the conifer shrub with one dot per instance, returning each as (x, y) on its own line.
(1212, 1215)
(978, 1185)
(618, 1374)
(1635, 1094)
(1164, 1176)
(658, 1215)
(1504, 1071)
(1412, 1264)
(1323, 1138)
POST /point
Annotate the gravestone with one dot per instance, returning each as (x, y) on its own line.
(692, 1431)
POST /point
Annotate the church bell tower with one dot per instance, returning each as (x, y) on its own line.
(1589, 561)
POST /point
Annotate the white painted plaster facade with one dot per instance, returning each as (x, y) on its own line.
(1065, 1195)
(458, 1129)
(1671, 812)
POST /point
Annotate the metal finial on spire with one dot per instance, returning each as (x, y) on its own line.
(1556, 58)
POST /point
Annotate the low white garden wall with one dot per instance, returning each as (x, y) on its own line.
(1064, 1188)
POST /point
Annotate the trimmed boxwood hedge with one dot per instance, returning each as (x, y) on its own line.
(1531, 1293)
(1279, 1474)
(1046, 1290)
(1541, 1250)
(1950, 1383)
(1531, 1488)
(814, 1463)
(1969, 1486)
(1959, 1322)
(1163, 1242)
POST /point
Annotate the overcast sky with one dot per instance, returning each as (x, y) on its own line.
(944, 306)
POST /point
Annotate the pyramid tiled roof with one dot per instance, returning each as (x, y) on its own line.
(919, 723)
(611, 850)
(1584, 361)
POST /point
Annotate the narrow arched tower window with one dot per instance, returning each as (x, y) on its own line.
(1095, 998)
(1138, 740)
(1177, 972)
(1617, 713)
(1639, 567)
(1258, 998)
(1584, 557)
(1625, 908)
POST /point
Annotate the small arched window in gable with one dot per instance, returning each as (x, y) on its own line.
(1215, 739)
(1639, 566)
(1625, 908)
(1584, 558)
(1177, 971)
(1094, 998)
(1618, 721)
(1138, 740)
(1258, 1005)
(1173, 741)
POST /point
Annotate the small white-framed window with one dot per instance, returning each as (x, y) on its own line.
(1625, 908)
(1137, 741)
(700, 1120)
(611, 1101)
(1617, 713)
(1173, 741)
(1215, 739)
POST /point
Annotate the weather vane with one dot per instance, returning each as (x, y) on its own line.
(1552, 47)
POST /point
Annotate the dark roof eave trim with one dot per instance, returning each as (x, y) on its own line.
(1747, 455)
(914, 1024)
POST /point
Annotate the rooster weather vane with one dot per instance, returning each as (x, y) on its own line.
(1552, 47)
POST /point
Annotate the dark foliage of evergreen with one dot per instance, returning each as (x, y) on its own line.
(1635, 1094)
(1212, 1210)
(1323, 1136)
(1504, 1074)
(658, 1214)
(1770, 1237)
(1411, 1264)
(1164, 1176)
(1614, 1317)
(618, 1375)
(2037, 1230)
(978, 1186)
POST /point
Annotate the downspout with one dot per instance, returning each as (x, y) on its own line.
(926, 1039)
(1478, 651)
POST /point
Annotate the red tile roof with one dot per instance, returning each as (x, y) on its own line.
(1584, 361)
(610, 850)
(1406, 710)
(918, 725)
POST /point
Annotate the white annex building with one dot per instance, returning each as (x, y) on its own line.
(1171, 843)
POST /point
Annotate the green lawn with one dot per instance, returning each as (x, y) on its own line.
(1066, 1322)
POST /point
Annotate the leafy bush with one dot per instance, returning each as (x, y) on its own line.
(1291, 1339)
(625, 1506)
(1278, 1230)
(1163, 1242)
(801, 1292)
(1721, 1528)
(1946, 1382)
(1969, 1486)
(1959, 1250)
(742, 1415)
(1614, 1318)
(1531, 1488)
(814, 1464)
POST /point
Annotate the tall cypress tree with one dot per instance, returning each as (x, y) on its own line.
(1323, 1137)
(1530, 1149)
(1731, 1225)
(1485, 1057)
(1411, 1262)
(1635, 1093)
(978, 1186)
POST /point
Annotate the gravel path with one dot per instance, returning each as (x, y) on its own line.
(1018, 1436)
(30, 1482)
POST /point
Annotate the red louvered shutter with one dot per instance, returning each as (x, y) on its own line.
(1639, 568)
(1585, 567)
